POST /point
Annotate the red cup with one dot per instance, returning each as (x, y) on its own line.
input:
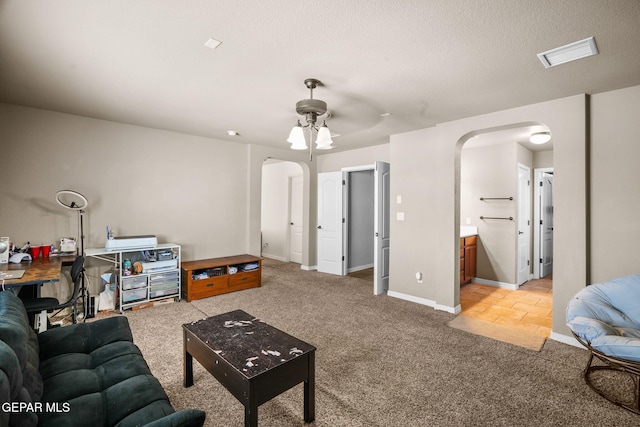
(34, 251)
(45, 251)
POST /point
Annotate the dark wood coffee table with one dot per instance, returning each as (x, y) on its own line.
(253, 360)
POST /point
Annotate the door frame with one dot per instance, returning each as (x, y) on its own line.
(537, 173)
(379, 288)
(523, 213)
(346, 214)
(382, 223)
(283, 185)
(291, 200)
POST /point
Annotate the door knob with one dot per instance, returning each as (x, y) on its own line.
(291, 223)
(520, 232)
(319, 227)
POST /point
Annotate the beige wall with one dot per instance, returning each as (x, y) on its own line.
(615, 183)
(256, 156)
(492, 172)
(326, 162)
(194, 191)
(333, 162)
(543, 159)
(206, 194)
(137, 181)
(426, 168)
(275, 208)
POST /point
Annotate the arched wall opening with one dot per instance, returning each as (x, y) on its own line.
(489, 200)
(427, 240)
(282, 219)
(496, 207)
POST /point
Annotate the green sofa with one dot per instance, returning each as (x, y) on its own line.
(87, 374)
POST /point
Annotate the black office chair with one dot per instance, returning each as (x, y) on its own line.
(38, 305)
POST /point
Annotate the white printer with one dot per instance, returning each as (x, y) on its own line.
(131, 242)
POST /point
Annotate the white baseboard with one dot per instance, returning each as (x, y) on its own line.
(512, 286)
(565, 339)
(424, 301)
(283, 259)
(276, 257)
(359, 268)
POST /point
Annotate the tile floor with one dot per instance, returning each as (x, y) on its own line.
(528, 308)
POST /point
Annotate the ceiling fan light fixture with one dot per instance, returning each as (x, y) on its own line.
(296, 138)
(324, 141)
(540, 137)
(311, 108)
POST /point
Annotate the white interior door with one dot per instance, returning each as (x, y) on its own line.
(382, 181)
(330, 232)
(295, 219)
(524, 224)
(546, 225)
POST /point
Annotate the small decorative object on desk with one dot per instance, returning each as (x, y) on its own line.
(68, 245)
(127, 267)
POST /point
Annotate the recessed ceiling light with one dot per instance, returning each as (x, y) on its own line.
(570, 52)
(212, 43)
(232, 133)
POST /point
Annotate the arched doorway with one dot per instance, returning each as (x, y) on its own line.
(282, 219)
(495, 168)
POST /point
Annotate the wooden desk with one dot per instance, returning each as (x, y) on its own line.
(38, 271)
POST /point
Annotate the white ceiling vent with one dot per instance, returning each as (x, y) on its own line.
(567, 53)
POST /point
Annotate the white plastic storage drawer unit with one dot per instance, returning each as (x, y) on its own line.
(134, 295)
(134, 282)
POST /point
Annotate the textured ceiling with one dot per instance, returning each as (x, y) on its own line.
(144, 61)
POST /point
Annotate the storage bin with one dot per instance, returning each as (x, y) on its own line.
(164, 277)
(157, 287)
(217, 271)
(134, 295)
(134, 282)
(160, 291)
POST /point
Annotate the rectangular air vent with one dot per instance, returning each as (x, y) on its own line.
(571, 52)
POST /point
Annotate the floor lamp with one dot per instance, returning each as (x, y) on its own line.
(75, 201)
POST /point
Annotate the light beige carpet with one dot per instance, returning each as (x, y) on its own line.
(497, 332)
(380, 362)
